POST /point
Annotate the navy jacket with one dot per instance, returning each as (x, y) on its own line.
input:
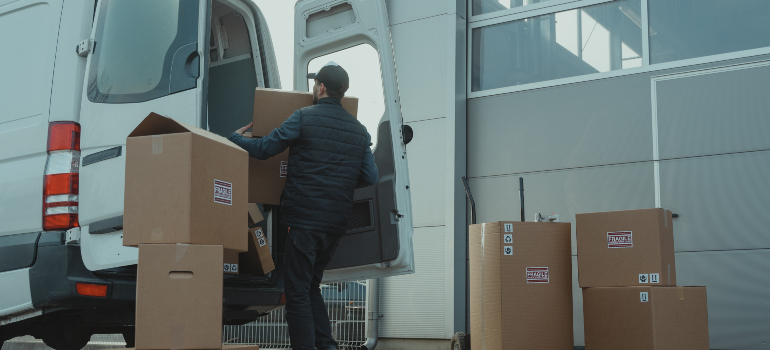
(329, 157)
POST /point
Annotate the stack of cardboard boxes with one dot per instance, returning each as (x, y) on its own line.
(185, 208)
(520, 286)
(628, 275)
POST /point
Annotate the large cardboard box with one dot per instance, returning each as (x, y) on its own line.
(258, 260)
(646, 318)
(626, 248)
(179, 296)
(521, 286)
(271, 109)
(183, 185)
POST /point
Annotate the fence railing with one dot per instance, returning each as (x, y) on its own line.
(345, 303)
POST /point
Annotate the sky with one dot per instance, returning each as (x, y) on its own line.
(361, 63)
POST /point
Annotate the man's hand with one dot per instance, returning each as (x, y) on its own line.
(243, 129)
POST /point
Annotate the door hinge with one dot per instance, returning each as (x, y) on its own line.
(72, 236)
(84, 47)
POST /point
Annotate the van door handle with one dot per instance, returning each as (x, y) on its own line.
(106, 226)
(103, 155)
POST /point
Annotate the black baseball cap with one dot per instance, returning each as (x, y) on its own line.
(333, 77)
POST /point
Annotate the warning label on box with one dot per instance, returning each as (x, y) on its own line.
(621, 239)
(537, 275)
(258, 232)
(223, 192)
(284, 169)
(262, 242)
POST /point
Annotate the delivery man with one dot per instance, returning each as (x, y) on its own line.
(329, 157)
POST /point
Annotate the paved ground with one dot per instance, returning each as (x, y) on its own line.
(105, 341)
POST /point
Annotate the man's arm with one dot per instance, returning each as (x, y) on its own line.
(273, 144)
(368, 175)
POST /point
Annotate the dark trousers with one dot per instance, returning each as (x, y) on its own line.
(307, 254)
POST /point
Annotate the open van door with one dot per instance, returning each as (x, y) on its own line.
(379, 238)
(145, 56)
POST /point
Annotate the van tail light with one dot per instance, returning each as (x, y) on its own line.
(62, 171)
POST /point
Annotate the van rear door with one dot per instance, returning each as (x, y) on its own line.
(147, 56)
(379, 239)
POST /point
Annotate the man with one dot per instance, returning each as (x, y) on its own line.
(329, 156)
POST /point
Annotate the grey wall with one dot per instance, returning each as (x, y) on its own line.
(588, 147)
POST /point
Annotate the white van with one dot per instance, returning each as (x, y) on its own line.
(77, 76)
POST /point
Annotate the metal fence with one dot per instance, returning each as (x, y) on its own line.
(345, 303)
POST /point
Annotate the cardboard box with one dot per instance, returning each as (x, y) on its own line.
(224, 347)
(646, 318)
(271, 109)
(183, 185)
(231, 261)
(626, 248)
(258, 260)
(179, 296)
(521, 286)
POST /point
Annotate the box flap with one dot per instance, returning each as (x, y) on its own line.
(156, 124)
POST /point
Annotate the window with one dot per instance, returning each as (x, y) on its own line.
(481, 7)
(363, 66)
(594, 39)
(137, 44)
(682, 29)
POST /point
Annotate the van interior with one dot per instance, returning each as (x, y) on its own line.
(233, 69)
(233, 77)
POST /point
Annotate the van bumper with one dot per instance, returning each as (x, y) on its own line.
(58, 268)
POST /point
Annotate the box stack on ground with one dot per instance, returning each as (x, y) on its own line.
(520, 286)
(627, 273)
(186, 210)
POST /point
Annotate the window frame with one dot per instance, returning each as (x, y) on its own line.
(93, 66)
(525, 12)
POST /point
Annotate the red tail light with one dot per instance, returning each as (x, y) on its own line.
(60, 189)
(63, 136)
(92, 290)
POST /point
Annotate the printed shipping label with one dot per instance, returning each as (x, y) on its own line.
(622, 239)
(223, 192)
(284, 169)
(537, 275)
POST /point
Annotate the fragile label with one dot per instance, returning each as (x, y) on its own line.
(231, 268)
(654, 278)
(622, 239)
(643, 297)
(284, 169)
(508, 250)
(262, 242)
(537, 275)
(223, 192)
(508, 238)
(258, 233)
(644, 278)
(508, 227)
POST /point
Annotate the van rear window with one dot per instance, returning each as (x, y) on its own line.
(136, 45)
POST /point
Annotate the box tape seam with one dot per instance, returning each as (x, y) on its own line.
(157, 144)
(680, 290)
(181, 249)
(483, 287)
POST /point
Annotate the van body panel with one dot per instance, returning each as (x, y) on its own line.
(25, 90)
(15, 291)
